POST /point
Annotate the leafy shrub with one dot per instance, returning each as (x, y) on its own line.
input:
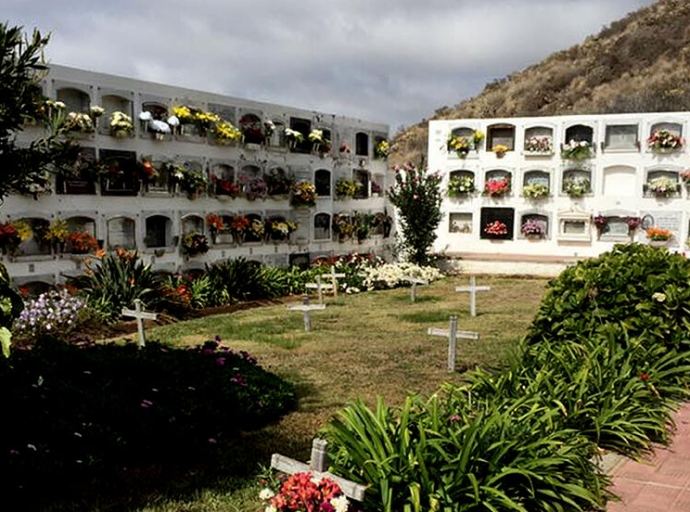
(105, 406)
(240, 279)
(442, 453)
(115, 281)
(643, 288)
(51, 313)
(11, 305)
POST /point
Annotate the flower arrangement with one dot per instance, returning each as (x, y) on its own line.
(79, 122)
(9, 238)
(685, 176)
(463, 145)
(662, 186)
(226, 187)
(576, 186)
(24, 229)
(57, 232)
(633, 223)
(183, 114)
(496, 228)
(269, 128)
(224, 132)
(158, 127)
(194, 243)
(576, 150)
(192, 181)
(238, 227)
(664, 141)
(254, 187)
(214, 223)
(344, 148)
(500, 150)
(383, 220)
(343, 226)
(382, 149)
(302, 492)
(601, 223)
(459, 186)
(656, 234)
(279, 229)
(533, 227)
(303, 194)
(319, 142)
(293, 136)
(497, 187)
(146, 171)
(376, 189)
(121, 125)
(536, 191)
(50, 313)
(82, 242)
(346, 188)
(256, 229)
(536, 144)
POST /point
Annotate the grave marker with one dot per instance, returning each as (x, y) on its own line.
(414, 281)
(334, 280)
(317, 467)
(140, 316)
(319, 286)
(306, 309)
(453, 334)
(473, 289)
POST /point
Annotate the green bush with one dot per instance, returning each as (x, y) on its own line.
(70, 409)
(240, 279)
(643, 288)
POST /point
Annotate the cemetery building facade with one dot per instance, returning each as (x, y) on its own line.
(167, 171)
(561, 187)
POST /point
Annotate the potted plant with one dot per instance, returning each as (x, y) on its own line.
(215, 225)
(658, 236)
(497, 187)
(376, 189)
(496, 229)
(385, 221)
(293, 137)
(320, 144)
(536, 191)
(223, 133)
(279, 183)
(601, 223)
(461, 145)
(539, 145)
(346, 188)
(382, 149)
(146, 172)
(303, 194)
(663, 141)
(238, 228)
(9, 238)
(121, 125)
(461, 186)
(192, 181)
(255, 231)
(633, 223)
(279, 230)
(194, 243)
(662, 186)
(82, 242)
(363, 224)
(576, 150)
(56, 234)
(500, 150)
(343, 226)
(576, 186)
(225, 187)
(254, 187)
(533, 229)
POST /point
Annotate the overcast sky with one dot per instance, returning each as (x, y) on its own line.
(387, 61)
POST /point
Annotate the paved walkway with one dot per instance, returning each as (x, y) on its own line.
(661, 483)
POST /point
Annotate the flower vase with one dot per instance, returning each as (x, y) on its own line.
(658, 243)
(238, 238)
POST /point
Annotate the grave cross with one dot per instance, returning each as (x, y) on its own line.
(334, 280)
(414, 281)
(140, 315)
(317, 467)
(473, 289)
(306, 309)
(319, 286)
(452, 334)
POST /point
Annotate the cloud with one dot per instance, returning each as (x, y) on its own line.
(394, 62)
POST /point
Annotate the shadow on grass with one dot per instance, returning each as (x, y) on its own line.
(421, 298)
(425, 317)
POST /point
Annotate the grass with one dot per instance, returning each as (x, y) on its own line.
(361, 346)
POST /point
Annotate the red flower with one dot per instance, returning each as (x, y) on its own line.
(644, 376)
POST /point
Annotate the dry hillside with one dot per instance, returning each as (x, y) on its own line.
(640, 63)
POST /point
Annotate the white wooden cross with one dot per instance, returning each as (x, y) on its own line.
(320, 287)
(334, 280)
(453, 334)
(318, 468)
(306, 309)
(414, 281)
(140, 316)
(473, 289)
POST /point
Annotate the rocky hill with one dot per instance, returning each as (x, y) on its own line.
(640, 63)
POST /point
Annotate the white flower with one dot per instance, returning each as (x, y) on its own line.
(266, 494)
(340, 503)
(173, 121)
(145, 116)
(271, 508)
(59, 104)
(97, 111)
(659, 297)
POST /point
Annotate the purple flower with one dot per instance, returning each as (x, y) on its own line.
(220, 361)
(211, 441)
(145, 404)
(14, 452)
(455, 418)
